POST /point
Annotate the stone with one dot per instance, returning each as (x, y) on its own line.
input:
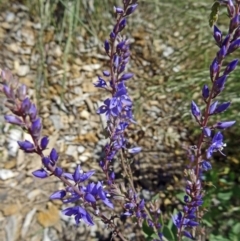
(10, 17)
(84, 114)
(81, 149)
(23, 70)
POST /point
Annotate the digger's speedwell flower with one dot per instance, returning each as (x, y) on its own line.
(25, 115)
(211, 139)
(118, 106)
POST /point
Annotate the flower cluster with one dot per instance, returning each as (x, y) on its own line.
(25, 115)
(210, 134)
(118, 107)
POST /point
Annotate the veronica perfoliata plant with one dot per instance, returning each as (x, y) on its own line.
(211, 137)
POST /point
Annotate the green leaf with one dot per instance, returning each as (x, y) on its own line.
(213, 17)
(236, 228)
(180, 196)
(224, 196)
(167, 233)
(146, 229)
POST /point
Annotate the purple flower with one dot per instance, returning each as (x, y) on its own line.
(221, 53)
(107, 46)
(12, 119)
(177, 219)
(40, 173)
(219, 84)
(234, 23)
(131, 9)
(222, 107)
(234, 45)
(188, 235)
(126, 76)
(25, 106)
(44, 142)
(53, 155)
(205, 92)
(32, 112)
(214, 67)
(58, 194)
(230, 67)
(26, 146)
(80, 214)
(216, 145)
(195, 110)
(206, 165)
(135, 150)
(36, 128)
(224, 124)
(207, 132)
(217, 34)
(213, 107)
(101, 83)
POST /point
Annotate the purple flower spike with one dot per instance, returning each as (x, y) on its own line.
(134, 150)
(44, 142)
(12, 119)
(40, 173)
(131, 9)
(53, 155)
(217, 34)
(195, 110)
(224, 124)
(58, 195)
(231, 67)
(26, 146)
(205, 92)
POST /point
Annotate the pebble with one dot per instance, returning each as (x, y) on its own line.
(81, 149)
(10, 17)
(23, 70)
(6, 174)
